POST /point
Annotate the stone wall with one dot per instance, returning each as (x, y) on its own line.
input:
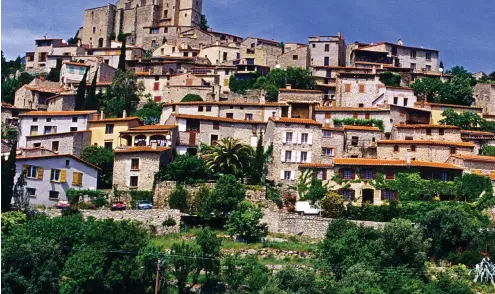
(485, 97)
(450, 134)
(149, 164)
(68, 143)
(151, 219)
(358, 91)
(295, 58)
(434, 153)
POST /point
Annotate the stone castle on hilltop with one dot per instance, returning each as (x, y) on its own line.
(148, 23)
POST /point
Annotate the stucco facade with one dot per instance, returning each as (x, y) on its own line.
(106, 132)
(437, 109)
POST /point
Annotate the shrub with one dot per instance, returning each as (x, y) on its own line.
(245, 221)
(187, 169)
(169, 222)
(290, 199)
(11, 219)
(191, 98)
(390, 79)
(332, 205)
(198, 198)
(227, 194)
(273, 194)
(179, 198)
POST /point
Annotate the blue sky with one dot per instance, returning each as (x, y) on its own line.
(463, 31)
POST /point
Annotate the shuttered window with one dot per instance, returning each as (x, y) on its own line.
(77, 178)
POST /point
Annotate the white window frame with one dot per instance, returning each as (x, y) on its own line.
(55, 174)
(289, 135)
(304, 138)
(30, 170)
(304, 157)
(289, 157)
(287, 175)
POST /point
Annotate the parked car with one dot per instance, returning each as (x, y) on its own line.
(303, 207)
(144, 204)
(63, 204)
(118, 205)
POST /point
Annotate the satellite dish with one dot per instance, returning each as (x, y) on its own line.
(167, 137)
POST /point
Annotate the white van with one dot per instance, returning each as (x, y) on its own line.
(304, 208)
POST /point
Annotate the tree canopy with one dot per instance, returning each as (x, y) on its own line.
(102, 158)
(456, 91)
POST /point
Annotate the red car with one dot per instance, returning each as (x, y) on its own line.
(119, 205)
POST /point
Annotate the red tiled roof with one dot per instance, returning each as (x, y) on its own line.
(153, 127)
(426, 126)
(141, 149)
(228, 103)
(57, 113)
(446, 105)
(45, 89)
(219, 119)
(332, 129)
(302, 121)
(115, 119)
(362, 128)
(350, 109)
(386, 162)
(427, 142)
(10, 106)
(482, 133)
(76, 63)
(21, 157)
(316, 165)
(480, 158)
(55, 134)
(301, 91)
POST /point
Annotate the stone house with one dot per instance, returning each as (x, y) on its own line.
(72, 73)
(395, 96)
(172, 94)
(220, 53)
(475, 164)
(353, 178)
(294, 141)
(197, 129)
(36, 62)
(134, 168)
(409, 115)
(50, 175)
(35, 123)
(422, 150)
(332, 143)
(295, 56)
(10, 115)
(62, 102)
(326, 115)
(426, 132)
(111, 55)
(260, 51)
(105, 132)
(360, 141)
(357, 89)
(438, 108)
(327, 50)
(63, 143)
(35, 94)
(147, 135)
(301, 102)
(484, 95)
(478, 138)
(176, 50)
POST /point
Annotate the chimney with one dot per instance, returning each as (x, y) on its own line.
(102, 115)
(339, 34)
(124, 114)
(408, 157)
(154, 144)
(288, 86)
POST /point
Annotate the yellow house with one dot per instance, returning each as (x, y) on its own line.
(438, 108)
(162, 135)
(106, 132)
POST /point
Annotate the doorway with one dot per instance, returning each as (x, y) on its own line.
(368, 196)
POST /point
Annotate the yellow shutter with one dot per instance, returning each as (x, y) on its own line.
(74, 178)
(40, 173)
(77, 179)
(80, 178)
(63, 175)
(226, 82)
(25, 168)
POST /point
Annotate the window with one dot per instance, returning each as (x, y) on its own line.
(347, 194)
(48, 119)
(208, 108)
(327, 152)
(313, 45)
(389, 175)
(428, 57)
(396, 148)
(413, 148)
(33, 131)
(396, 100)
(109, 129)
(445, 177)
(367, 115)
(108, 145)
(452, 150)
(156, 86)
(288, 137)
(71, 69)
(428, 67)
(216, 125)
(287, 175)
(37, 145)
(154, 30)
(327, 47)
(50, 130)
(31, 192)
(389, 195)
(428, 132)
(133, 182)
(53, 195)
(304, 138)
(55, 175)
(55, 146)
(230, 115)
(74, 119)
(158, 98)
(348, 174)
(213, 140)
(362, 88)
(77, 178)
(354, 141)
(327, 134)
(367, 174)
(304, 156)
(288, 156)
(441, 132)
(67, 163)
(347, 88)
(35, 119)
(295, 57)
(134, 163)
(355, 115)
(94, 30)
(413, 65)
(413, 54)
(326, 61)
(248, 116)
(405, 101)
(200, 108)
(32, 172)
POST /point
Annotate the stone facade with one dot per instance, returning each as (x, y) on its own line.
(332, 143)
(63, 102)
(35, 94)
(327, 50)
(426, 132)
(297, 57)
(357, 90)
(475, 164)
(218, 54)
(63, 143)
(263, 52)
(174, 94)
(99, 24)
(297, 95)
(434, 151)
(395, 96)
(326, 115)
(484, 95)
(361, 141)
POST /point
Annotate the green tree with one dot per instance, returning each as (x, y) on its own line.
(91, 102)
(470, 187)
(122, 55)
(204, 23)
(9, 87)
(229, 156)
(183, 259)
(316, 191)
(360, 279)
(390, 79)
(102, 158)
(491, 76)
(84, 272)
(461, 72)
(466, 120)
(244, 273)
(295, 280)
(209, 245)
(240, 86)
(332, 204)
(8, 175)
(227, 194)
(179, 199)
(187, 169)
(123, 94)
(457, 91)
(259, 162)
(191, 98)
(81, 92)
(245, 222)
(150, 112)
(11, 219)
(488, 150)
(20, 196)
(428, 89)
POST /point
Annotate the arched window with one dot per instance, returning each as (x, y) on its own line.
(100, 42)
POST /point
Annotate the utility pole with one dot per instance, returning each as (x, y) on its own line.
(157, 281)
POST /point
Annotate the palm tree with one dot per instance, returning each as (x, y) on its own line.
(228, 156)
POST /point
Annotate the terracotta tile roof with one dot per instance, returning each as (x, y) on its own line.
(21, 157)
(426, 126)
(387, 162)
(10, 106)
(53, 90)
(115, 119)
(447, 105)
(141, 149)
(362, 128)
(301, 91)
(482, 133)
(61, 95)
(288, 120)
(57, 113)
(153, 127)
(316, 165)
(55, 134)
(219, 119)
(350, 109)
(332, 129)
(228, 103)
(426, 142)
(399, 88)
(480, 158)
(76, 63)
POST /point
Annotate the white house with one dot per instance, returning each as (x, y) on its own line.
(50, 175)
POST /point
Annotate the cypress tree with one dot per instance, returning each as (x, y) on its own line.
(91, 103)
(122, 56)
(8, 175)
(81, 92)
